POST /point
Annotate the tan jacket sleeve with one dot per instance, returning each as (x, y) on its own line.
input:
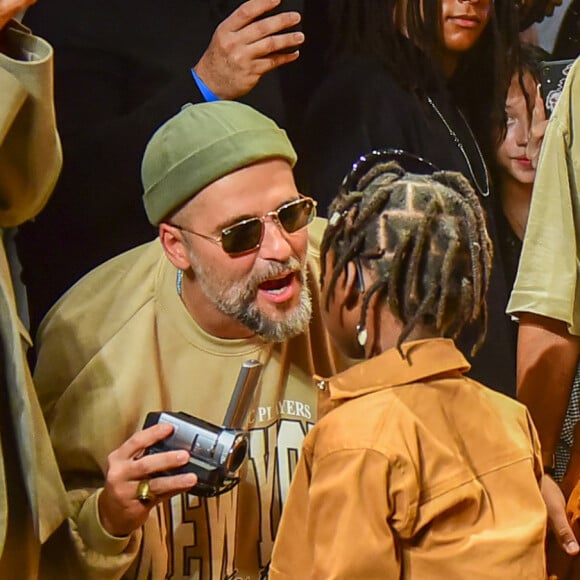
(30, 151)
(87, 551)
(26, 180)
(547, 279)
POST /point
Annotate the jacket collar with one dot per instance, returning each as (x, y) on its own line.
(423, 359)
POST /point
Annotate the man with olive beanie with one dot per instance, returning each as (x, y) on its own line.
(165, 327)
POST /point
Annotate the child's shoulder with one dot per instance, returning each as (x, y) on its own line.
(395, 418)
(372, 422)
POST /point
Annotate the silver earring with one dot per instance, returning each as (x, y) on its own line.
(361, 335)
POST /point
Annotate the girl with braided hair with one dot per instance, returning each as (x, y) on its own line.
(417, 471)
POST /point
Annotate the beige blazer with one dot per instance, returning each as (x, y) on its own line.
(32, 497)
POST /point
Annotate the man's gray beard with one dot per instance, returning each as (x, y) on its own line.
(281, 330)
(240, 303)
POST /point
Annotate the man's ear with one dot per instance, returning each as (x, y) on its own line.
(174, 246)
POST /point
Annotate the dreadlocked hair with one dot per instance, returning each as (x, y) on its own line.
(424, 238)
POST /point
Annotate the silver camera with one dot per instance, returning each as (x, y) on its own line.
(215, 452)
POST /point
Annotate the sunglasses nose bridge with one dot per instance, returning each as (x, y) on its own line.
(275, 219)
(275, 242)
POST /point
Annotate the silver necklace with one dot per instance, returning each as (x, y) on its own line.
(453, 134)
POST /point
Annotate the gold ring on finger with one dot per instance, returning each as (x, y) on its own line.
(144, 493)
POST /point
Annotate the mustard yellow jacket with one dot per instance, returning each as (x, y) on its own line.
(419, 472)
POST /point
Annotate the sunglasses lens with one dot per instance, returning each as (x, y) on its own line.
(408, 161)
(242, 237)
(246, 236)
(296, 215)
(414, 164)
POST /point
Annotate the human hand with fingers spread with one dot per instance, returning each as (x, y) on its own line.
(129, 492)
(537, 129)
(244, 47)
(9, 9)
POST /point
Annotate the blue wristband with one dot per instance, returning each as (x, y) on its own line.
(205, 91)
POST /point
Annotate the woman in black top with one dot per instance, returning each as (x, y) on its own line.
(426, 77)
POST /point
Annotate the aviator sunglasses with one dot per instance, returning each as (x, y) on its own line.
(408, 161)
(246, 235)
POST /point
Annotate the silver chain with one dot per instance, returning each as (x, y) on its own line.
(179, 282)
(453, 134)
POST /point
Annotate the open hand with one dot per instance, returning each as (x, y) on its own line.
(243, 49)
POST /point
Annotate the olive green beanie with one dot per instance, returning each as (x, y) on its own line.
(199, 145)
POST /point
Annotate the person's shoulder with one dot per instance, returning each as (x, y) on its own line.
(575, 70)
(315, 233)
(138, 258)
(355, 76)
(512, 419)
(574, 79)
(568, 104)
(113, 289)
(94, 326)
(373, 421)
(500, 405)
(360, 99)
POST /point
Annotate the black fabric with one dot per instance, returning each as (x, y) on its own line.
(301, 78)
(360, 107)
(510, 247)
(568, 40)
(122, 68)
(16, 544)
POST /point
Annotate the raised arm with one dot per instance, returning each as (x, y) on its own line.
(245, 46)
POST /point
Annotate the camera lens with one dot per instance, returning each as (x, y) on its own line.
(236, 454)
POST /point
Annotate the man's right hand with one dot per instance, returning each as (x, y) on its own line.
(120, 511)
(245, 47)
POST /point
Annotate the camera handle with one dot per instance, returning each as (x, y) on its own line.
(243, 394)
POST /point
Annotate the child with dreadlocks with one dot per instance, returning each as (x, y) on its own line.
(417, 471)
